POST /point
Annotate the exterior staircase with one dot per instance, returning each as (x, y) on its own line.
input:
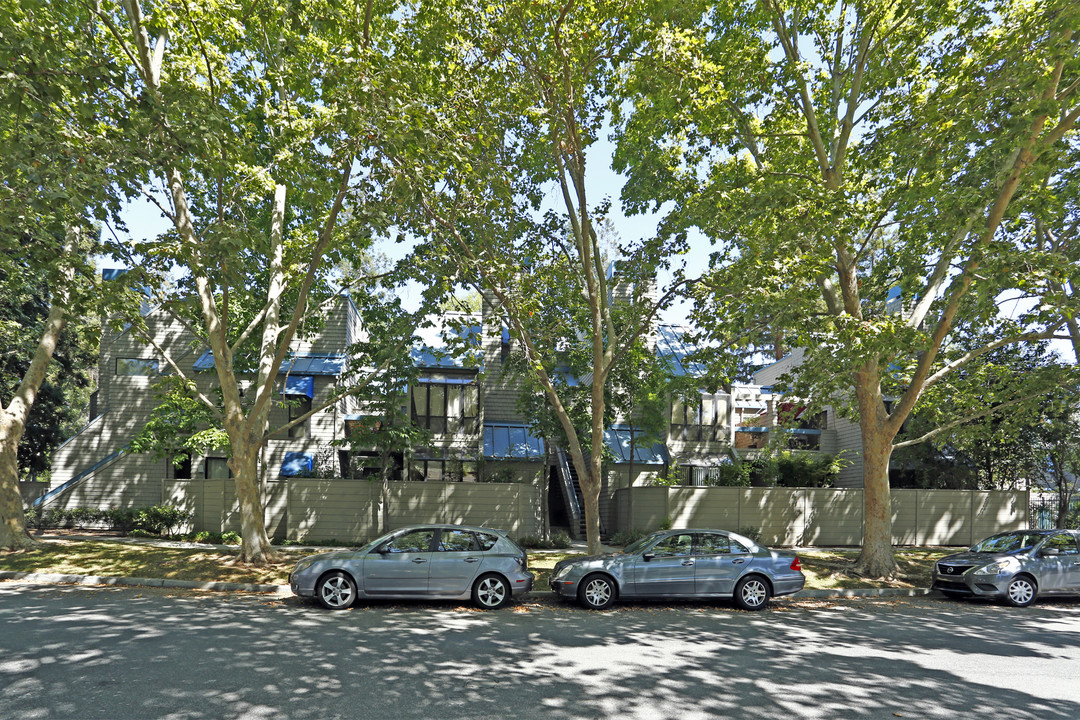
(571, 488)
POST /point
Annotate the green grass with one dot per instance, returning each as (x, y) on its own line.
(113, 559)
(824, 569)
(831, 569)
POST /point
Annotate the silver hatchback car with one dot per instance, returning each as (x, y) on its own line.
(681, 564)
(1016, 567)
(454, 562)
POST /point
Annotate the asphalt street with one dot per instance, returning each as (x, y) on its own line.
(106, 652)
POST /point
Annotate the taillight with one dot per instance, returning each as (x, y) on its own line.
(796, 565)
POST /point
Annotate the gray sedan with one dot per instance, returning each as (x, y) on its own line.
(681, 564)
(1016, 567)
(422, 561)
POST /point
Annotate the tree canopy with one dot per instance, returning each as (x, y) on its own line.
(855, 165)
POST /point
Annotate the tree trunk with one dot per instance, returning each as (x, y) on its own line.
(13, 535)
(878, 431)
(256, 547)
(384, 495)
(876, 558)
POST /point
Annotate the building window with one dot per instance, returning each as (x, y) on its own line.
(367, 464)
(217, 468)
(299, 405)
(180, 467)
(703, 422)
(445, 405)
(442, 470)
(136, 366)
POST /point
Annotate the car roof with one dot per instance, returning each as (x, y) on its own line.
(450, 526)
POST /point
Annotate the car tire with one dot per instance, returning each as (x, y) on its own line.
(491, 592)
(1021, 591)
(596, 592)
(336, 591)
(752, 593)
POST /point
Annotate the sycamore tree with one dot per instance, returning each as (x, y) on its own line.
(62, 170)
(510, 97)
(257, 120)
(854, 163)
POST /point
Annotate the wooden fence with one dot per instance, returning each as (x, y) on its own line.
(816, 516)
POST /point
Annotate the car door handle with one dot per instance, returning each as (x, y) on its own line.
(738, 561)
(472, 560)
(419, 560)
(687, 563)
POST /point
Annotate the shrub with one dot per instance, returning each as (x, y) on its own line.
(121, 519)
(531, 541)
(162, 519)
(751, 532)
(561, 540)
(626, 537)
(230, 538)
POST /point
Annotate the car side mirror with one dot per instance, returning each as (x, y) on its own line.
(1049, 552)
(648, 556)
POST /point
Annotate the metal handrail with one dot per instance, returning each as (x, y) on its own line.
(568, 485)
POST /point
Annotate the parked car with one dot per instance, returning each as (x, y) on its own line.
(681, 564)
(1016, 567)
(422, 561)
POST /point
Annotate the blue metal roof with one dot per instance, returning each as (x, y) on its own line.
(426, 356)
(617, 438)
(511, 442)
(672, 345)
(311, 364)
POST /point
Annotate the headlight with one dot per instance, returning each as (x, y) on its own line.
(561, 572)
(995, 568)
(303, 565)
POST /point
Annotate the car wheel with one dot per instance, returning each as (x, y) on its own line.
(336, 591)
(752, 593)
(490, 592)
(596, 592)
(1021, 591)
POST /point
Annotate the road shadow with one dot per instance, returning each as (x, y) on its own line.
(109, 652)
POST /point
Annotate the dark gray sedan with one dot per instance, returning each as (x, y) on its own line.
(1016, 567)
(423, 561)
(681, 564)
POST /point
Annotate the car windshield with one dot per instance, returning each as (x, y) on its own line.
(641, 544)
(1007, 543)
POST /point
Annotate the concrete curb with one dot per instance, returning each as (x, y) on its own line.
(45, 578)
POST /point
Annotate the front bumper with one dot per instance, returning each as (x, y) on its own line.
(299, 588)
(565, 589)
(971, 585)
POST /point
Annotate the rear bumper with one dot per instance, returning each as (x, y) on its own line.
(521, 584)
(788, 584)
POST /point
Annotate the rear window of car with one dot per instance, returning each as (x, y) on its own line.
(486, 540)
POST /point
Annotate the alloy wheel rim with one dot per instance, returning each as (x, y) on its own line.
(491, 592)
(753, 593)
(597, 592)
(336, 591)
